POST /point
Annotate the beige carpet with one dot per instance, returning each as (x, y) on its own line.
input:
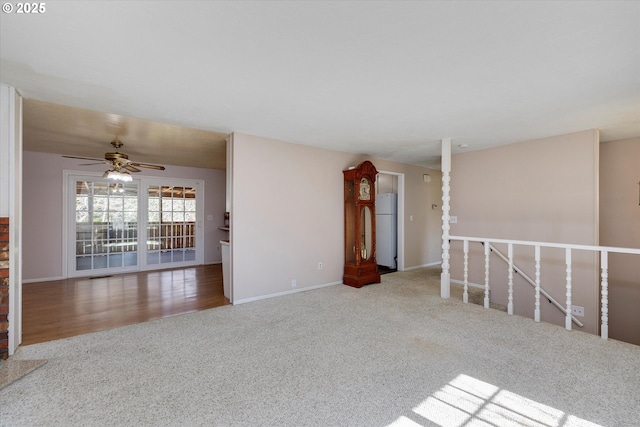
(388, 354)
(12, 370)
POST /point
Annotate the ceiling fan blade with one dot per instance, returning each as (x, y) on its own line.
(144, 165)
(99, 163)
(131, 168)
(84, 158)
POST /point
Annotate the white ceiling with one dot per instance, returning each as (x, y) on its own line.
(386, 79)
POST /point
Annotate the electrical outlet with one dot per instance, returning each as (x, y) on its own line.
(293, 283)
(453, 219)
(320, 266)
(576, 310)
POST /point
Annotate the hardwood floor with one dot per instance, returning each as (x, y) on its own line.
(66, 308)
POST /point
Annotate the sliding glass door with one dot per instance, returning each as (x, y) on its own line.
(145, 224)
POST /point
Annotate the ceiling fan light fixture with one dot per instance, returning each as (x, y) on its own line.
(118, 175)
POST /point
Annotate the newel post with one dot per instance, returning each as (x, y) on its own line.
(445, 277)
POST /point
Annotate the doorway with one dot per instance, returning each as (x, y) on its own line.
(388, 182)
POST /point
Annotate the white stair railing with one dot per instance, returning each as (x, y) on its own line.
(488, 244)
(528, 279)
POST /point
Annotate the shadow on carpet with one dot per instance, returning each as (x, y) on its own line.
(13, 370)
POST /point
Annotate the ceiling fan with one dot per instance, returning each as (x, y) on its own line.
(120, 165)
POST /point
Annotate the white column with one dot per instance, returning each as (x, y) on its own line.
(445, 277)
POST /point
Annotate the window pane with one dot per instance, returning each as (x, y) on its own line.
(116, 203)
(82, 203)
(130, 204)
(178, 256)
(83, 263)
(131, 258)
(115, 261)
(100, 261)
(154, 204)
(100, 204)
(100, 188)
(82, 216)
(153, 257)
(131, 217)
(178, 205)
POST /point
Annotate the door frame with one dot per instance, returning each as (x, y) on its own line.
(399, 216)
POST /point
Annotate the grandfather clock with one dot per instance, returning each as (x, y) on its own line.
(360, 265)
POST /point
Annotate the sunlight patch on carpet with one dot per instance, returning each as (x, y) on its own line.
(466, 401)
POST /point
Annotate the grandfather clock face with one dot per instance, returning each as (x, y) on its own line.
(365, 189)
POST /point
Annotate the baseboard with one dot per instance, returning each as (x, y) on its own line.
(469, 284)
(415, 267)
(44, 279)
(279, 294)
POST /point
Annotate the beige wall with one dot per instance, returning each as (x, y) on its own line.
(543, 190)
(287, 215)
(620, 227)
(42, 219)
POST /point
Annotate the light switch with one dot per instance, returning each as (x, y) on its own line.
(453, 220)
(209, 217)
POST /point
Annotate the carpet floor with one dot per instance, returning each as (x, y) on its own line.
(388, 354)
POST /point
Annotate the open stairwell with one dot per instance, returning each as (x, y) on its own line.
(598, 262)
(530, 281)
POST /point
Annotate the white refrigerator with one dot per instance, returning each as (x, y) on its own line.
(386, 229)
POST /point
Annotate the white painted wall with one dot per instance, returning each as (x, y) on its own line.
(42, 194)
(544, 190)
(287, 215)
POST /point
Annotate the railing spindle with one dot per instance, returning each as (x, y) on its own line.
(510, 304)
(604, 264)
(465, 294)
(537, 258)
(487, 251)
(567, 322)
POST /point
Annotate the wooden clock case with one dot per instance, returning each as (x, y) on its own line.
(360, 265)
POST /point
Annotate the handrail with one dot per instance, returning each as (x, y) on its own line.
(551, 245)
(532, 283)
(569, 319)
